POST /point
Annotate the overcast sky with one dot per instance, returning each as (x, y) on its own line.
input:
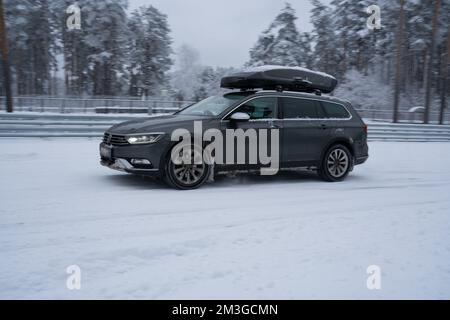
(223, 31)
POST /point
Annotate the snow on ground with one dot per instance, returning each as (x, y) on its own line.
(290, 236)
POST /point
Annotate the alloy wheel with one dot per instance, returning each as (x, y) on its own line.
(190, 171)
(338, 163)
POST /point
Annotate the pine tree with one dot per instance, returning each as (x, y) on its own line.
(150, 50)
(306, 54)
(431, 51)
(106, 38)
(325, 53)
(43, 58)
(354, 41)
(75, 50)
(185, 79)
(95, 56)
(281, 43)
(209, 82)
(30, 29)
(5, 71)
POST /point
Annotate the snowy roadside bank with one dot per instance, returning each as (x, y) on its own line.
(290, 236)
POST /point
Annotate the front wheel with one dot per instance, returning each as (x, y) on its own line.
(190, 175)
(336, 164)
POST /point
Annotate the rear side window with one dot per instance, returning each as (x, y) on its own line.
(335, 111)
(294, 108)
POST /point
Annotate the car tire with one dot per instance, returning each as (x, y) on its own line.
(336, 163)
(186, 176)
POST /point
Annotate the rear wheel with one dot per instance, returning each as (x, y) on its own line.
(190, 173)
(336, 164)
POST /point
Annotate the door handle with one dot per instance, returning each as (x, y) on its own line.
(323, 126)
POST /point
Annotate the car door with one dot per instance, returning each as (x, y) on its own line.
(263, 112)
(339, 120)
(305, 131)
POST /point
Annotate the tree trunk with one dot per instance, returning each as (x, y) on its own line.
(398, 62)
(437, 5)
(5, 60)
(445, 80)
(425, 68)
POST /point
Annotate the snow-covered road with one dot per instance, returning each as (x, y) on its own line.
(290, 236)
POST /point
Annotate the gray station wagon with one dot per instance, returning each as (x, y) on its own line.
(316, 132)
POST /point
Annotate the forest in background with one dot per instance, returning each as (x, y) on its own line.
(117, 53)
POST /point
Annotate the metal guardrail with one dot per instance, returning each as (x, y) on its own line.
(94, 106)
(403, 116)
(69, 125)
(151, 106)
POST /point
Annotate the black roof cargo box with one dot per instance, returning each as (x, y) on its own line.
(281, 78)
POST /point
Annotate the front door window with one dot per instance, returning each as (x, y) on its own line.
(260, 108)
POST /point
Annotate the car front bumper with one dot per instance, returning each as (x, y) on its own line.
(124, 165)
(120, 158)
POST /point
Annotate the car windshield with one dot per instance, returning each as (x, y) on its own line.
(213, 106)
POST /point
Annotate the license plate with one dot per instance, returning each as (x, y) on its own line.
(106, 152)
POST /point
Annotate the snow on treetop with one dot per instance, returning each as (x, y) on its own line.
(275, 67)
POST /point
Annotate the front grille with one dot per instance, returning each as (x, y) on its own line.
(115, 140)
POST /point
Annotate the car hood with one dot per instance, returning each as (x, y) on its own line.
(165, 124)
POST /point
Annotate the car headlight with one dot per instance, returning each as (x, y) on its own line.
(144, 138)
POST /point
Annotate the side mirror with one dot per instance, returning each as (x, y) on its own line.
(240, 117)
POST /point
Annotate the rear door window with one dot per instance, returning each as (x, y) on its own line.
(295, 108)
(335, 111)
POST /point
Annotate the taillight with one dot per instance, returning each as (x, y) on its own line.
(366, 128)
